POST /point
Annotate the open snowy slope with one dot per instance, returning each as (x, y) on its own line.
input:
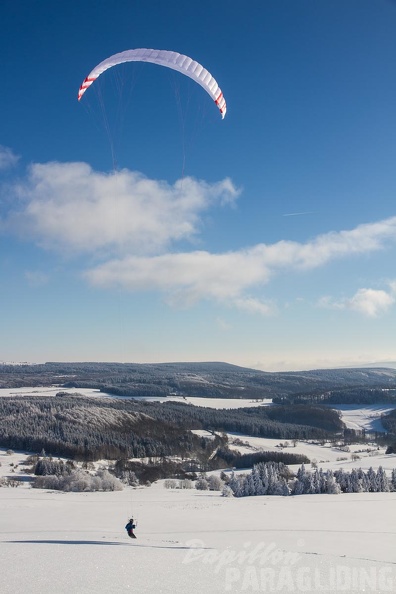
(366, 417)
(191, 541)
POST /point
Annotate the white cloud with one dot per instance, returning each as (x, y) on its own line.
(369, 302)
(189, 277)
(71, 207)
(8, 159)
(131, 222)
(329, 246)
(186, 277)
(252, 305)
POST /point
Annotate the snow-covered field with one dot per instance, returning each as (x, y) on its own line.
(206, 402)
(222, 402)
(325, 456)
(364, 417)
(198, 541)
(193, 541)
(47, 391)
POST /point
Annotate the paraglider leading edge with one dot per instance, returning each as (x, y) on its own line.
(179, 62)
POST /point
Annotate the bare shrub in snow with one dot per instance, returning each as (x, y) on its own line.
(78, 480)
(227, 491)
(215, 483)
(170, 484)
(48, 481)
(175, 484)
(7, 482)
(202, 484)
(129, 478)
(185, 484)
(109, 481)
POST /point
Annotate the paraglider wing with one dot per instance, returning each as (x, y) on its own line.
(173, 60)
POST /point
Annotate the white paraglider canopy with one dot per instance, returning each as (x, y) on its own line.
(170, 59)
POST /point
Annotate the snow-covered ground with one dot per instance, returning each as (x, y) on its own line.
(198, 541)
(364, 417)
(206, 402)
(47, 391)
(193, 541)
(220, 403)
(325, 456)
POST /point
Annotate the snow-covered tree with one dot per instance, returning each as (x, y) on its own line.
(363, 480)
(372, 480)
(281, 488)
(393, 479)
(382, 480)
(227, 491)
(258, 472)
(297, 487)
(356, 485)
(332, 487)
(236, 484)
(248, 486)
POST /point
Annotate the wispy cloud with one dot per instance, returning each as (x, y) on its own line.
(189, 277)
(369, 302)
(8, 158)
(252, 305)
(298, 214)
(222, 324)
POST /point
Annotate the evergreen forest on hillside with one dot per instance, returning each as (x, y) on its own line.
(93, 428)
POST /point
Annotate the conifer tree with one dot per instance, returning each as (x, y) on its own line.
(382, 480)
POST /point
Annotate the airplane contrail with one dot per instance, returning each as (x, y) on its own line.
(297, 214)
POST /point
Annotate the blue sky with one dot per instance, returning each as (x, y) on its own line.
(137, 225)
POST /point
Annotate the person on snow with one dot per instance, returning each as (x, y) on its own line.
(129, 528)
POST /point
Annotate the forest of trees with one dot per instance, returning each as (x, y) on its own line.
(88, 429)
(356, 395)
(92, 428)
(272, 478)
(389, 422)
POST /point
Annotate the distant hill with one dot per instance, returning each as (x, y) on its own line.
(210, 379)
(382, 364)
